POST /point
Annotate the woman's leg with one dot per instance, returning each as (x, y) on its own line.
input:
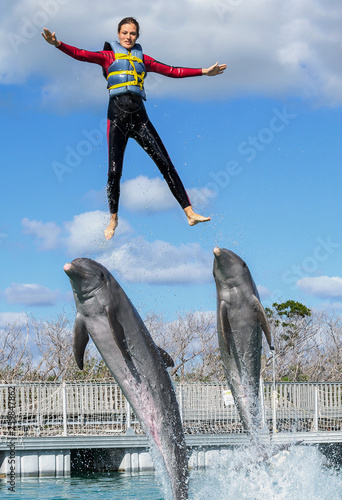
(117, 141)
(148, 138)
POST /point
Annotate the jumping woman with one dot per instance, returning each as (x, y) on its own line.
(124, 65)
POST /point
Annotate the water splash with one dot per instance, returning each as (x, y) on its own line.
(300, 473)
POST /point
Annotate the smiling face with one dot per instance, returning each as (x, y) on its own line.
(128, 36)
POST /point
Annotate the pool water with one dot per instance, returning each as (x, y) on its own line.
(301, 473)
(115, 485)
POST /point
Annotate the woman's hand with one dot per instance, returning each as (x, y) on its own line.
(51, 38)
(215, 69)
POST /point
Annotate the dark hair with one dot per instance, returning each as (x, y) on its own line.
(129, 20)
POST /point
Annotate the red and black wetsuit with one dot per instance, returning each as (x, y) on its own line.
(126, 118)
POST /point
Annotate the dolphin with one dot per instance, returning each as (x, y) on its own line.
(240, 321)
(105, 313)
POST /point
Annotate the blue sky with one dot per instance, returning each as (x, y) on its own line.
(258, 149)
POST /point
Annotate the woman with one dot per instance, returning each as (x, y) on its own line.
(124, 66)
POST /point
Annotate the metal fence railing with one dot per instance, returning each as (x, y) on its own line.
(100, 408)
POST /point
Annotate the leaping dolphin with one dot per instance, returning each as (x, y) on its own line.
(240, 321)
(106, 314)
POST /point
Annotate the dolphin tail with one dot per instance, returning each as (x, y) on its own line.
(262, 318)
(80, 340)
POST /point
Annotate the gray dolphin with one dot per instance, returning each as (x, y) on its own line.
(240, 321)
(106, 314)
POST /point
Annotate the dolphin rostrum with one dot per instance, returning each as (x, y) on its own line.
(140, 368)
(240, 321)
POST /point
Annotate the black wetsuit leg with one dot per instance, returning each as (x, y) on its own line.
(148, 138)
(127, 117)
(117, 141)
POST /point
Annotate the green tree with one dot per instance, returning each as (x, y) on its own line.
(287, 315)
(295, 339)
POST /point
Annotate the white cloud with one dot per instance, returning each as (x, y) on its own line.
(144, 194)
(332, 306)
(30, 294)
(263, 292)
(46, 233)
(200, 196)
(9, 318)
(322, 286)
(270, 47)
(82, 235)
(134, 258)
(159, 262)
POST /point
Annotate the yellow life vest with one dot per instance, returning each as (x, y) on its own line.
(126, 74)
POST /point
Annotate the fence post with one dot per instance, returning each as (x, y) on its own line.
(274, 397)
(65, 412)
(128, 415)
(316, 409)
(180, 402)
(262, 403)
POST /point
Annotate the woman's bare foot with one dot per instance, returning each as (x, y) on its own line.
(113, 223)
(194, 218)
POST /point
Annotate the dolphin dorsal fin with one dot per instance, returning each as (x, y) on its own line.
(262, 318)
(166, 358)
(225, 325)
(80, 340)
(118, 332)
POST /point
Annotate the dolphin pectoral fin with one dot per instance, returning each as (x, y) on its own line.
(262, 318)
(118, 332)
(166, 358)
(80, 340)
(225, 325)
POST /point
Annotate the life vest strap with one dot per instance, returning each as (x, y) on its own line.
(120, 55)
(138, 78)
(133, 71)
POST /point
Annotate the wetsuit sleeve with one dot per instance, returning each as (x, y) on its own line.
(104, 57)
(172, 71)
